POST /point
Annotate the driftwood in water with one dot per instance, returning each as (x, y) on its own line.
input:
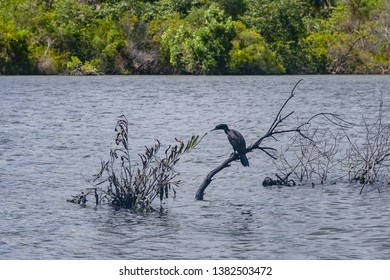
(268, 182)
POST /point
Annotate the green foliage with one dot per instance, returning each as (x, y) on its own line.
(73, 26)
(200, 49)
(194, 36)
(233, 8)
(107, 43)
(251, 55)
(315, 49)
(175, 46)
(168, 7)
(74, 66)
(281, 24)
(212, 42)
(14, 53)
(360, 42)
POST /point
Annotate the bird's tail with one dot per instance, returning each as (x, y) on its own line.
(244, 160)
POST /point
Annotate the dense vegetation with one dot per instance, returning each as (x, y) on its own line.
(194, 36)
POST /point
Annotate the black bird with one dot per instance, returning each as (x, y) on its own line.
(237, 141)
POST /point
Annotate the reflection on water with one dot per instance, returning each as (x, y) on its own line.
(54, 130)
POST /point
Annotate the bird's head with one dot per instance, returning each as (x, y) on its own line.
(222, 127)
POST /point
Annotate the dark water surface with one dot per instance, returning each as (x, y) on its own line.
(54, 130)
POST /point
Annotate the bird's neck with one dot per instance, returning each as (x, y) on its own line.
(226, 130)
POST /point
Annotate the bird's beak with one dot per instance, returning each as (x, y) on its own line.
(212, 130)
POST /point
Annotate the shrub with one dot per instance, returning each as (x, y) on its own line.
(251, 55)
(125, 184)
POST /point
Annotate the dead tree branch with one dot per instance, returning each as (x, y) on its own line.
(271, 133)
(370, 158)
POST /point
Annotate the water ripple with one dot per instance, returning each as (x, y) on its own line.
(54, 130)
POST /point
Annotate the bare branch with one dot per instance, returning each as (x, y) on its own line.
(272, 131)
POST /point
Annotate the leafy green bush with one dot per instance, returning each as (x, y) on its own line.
(251, 55)
(281, 23)
(74, 66)
(315, 49)
(15, 57)
(201, 49)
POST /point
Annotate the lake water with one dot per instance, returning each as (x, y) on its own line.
(55, 130)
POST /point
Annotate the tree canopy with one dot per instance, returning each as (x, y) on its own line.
(194, 36)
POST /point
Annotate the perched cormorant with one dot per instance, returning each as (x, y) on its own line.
(237, 141)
